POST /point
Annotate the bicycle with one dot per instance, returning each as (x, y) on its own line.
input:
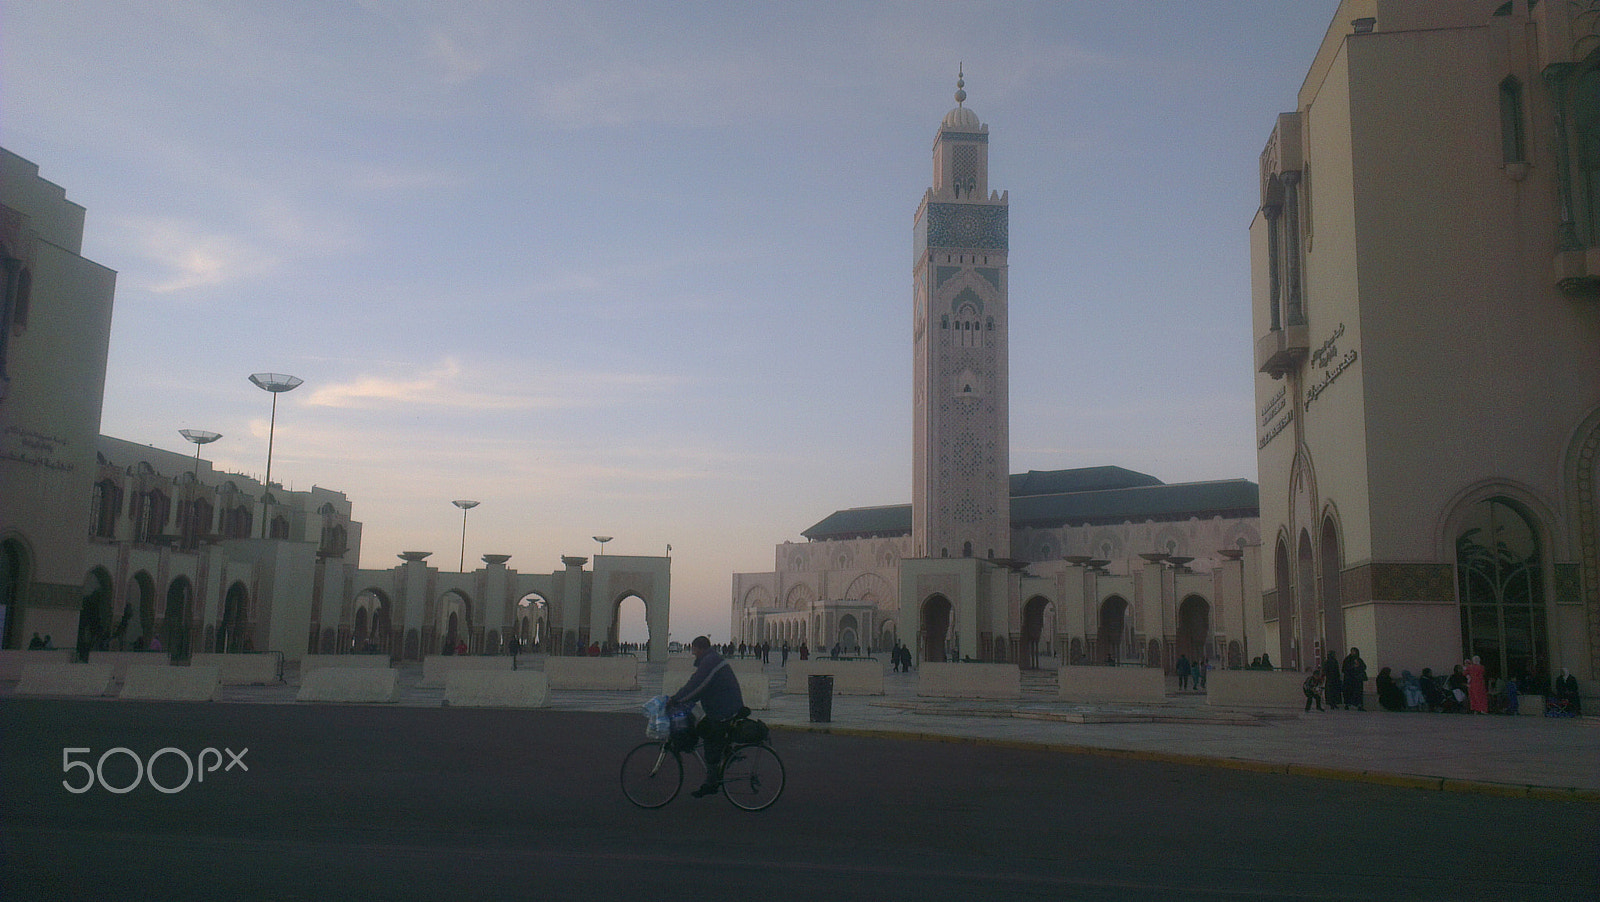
(752, 773)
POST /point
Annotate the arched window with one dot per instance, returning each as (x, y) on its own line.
(1499, 576)
(1513, 143)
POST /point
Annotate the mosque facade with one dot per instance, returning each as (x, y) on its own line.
(1079, 565)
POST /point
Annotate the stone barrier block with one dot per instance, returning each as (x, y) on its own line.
(849, 677)
(1255, 689)
(592, 673)
(679, 668)
(350, 685)
(163, 682)
(436, 669)
(969, 680)
(1120, 685)
(120, 661)
(484, 688)
(13, 660)
(757, 691)
(242, 669)
(65, 679)
(308, 663)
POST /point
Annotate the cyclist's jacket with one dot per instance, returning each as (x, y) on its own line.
(713, 686)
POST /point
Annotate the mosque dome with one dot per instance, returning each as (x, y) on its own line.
(961, 118)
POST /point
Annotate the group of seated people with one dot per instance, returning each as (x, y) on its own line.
(1451, 694)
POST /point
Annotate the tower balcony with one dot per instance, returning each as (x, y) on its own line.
(1281, 350)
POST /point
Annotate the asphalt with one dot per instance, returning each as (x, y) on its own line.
(1539, 757)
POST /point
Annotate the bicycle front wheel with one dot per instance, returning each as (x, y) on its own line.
(753, 778)
(652, 774)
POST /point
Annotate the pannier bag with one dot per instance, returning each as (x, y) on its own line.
(748, 730)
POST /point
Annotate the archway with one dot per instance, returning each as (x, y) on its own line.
(13, 577)
(1283, 583)
(454, 624)
(136, 623)
(358, 630)
(1501, 582)
(233, 630)
(533, 622)
(176, 617)
(1305, 593)
(94, 612)
(936, 613)
(1114, 640)
(1332, 596)
(1033, 628)
(630, 624)
(1194, 629)
(849, 636)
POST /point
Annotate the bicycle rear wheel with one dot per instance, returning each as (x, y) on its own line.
(754, 777)
(652, 774)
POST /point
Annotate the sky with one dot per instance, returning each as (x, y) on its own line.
(644, 269)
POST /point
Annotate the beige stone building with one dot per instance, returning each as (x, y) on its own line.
(55, 326)
(1426, 310)
(1077, 565)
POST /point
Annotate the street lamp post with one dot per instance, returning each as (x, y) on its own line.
(277, 384)
(465, 506)
(602, 540)
(199, 437)
(191, 528)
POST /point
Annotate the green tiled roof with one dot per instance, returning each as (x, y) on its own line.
(1055, 498)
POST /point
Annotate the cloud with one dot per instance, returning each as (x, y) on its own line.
(185, 256)
(450, 385)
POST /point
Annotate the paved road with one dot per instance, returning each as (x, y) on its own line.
(407, 803)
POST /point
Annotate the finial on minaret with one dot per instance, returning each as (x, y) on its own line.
(961, 83)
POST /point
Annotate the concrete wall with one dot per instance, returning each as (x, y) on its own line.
(592, 673)
(468, 688)
(163, 682)
(969, 680)
(242, 669)
(311, 663)
(12, 660)
(436, 669)
(1255, 689)
(65, 679)
(349, 685)
(1113, 684)
(849, 677)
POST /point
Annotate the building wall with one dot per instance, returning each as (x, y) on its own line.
(54, 379)
(1451, 352)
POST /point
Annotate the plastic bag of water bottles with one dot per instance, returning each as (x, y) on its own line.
(658, 723)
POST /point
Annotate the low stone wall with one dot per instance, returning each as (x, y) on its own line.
(13, 660)
(436, 669)
(679, 668)
(849, 677)
(592, 673)
(485, 688)
(65, 679)
(308, 663)
(757, 691)
(120, 661)
(242, 669)
(1255, 689)
(1140, 685)
(969, 680)
(163, 682)
(350, 685)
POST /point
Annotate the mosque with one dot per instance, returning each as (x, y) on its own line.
(1080, 565)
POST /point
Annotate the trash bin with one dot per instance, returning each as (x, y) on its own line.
(820, 686)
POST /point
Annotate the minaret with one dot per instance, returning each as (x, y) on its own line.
(961, 499)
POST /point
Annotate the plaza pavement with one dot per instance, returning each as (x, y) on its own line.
(1557, 758)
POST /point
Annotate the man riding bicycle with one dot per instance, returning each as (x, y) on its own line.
(715, 687)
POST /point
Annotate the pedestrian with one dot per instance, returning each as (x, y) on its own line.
(1332, 683)
(1477, 685)
(1313, 689)
(1183, 672)
(1355, 677)
(785, 653)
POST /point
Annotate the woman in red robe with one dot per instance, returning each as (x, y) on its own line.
(1477, 686)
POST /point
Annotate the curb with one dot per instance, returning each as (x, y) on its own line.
(1372, 777)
